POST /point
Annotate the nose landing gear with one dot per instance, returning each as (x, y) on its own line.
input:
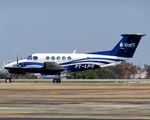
(8, 80)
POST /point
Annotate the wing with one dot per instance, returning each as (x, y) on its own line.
(53, 66)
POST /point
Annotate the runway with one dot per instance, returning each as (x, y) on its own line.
(75, 100)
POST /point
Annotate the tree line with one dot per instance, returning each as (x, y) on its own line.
(124, 70)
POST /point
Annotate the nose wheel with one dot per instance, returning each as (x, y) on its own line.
(56, 80)
(8, 80)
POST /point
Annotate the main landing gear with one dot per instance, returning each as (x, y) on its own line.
(57, 79)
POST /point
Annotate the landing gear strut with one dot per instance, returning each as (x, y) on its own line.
(57, 79)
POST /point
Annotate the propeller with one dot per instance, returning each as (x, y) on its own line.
(17, 60)
(16, 65)
(21, 57)
(21, 65)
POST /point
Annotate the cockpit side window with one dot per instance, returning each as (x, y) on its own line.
(35, 57)
(29, 58)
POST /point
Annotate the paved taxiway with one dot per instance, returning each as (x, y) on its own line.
(75, 100)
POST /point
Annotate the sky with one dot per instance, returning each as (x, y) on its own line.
(62, 26)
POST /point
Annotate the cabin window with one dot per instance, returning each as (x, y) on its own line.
(68, 58)
(52, 58)
(63, 58)
(35, 57)
(47, 58)
(58, 57)
(29, 58)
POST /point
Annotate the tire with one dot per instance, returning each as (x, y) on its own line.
(59, 80)
(8, 80)
(55, 80)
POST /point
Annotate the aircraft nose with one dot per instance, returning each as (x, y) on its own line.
(10, 65)
(7, 66)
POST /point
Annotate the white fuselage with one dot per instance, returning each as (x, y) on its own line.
(71, 62)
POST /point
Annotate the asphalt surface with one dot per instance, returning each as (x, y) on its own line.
(63, 119)
(75, 100)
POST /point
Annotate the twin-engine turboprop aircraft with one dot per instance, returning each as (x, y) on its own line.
(54, 64)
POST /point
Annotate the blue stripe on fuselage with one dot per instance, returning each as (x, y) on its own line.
(91, 62)
(82, 60)
(32, 63)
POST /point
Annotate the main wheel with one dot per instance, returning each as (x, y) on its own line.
(55, 80)
(59, 80)
(8, 80)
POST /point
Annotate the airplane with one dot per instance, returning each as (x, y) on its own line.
(56, 63)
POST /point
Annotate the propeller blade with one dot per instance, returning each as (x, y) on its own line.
(17, 58)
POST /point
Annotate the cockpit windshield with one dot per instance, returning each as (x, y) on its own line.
(29, 57)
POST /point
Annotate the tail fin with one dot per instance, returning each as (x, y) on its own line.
(127, 45)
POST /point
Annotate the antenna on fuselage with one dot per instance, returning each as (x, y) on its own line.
(74, 52)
